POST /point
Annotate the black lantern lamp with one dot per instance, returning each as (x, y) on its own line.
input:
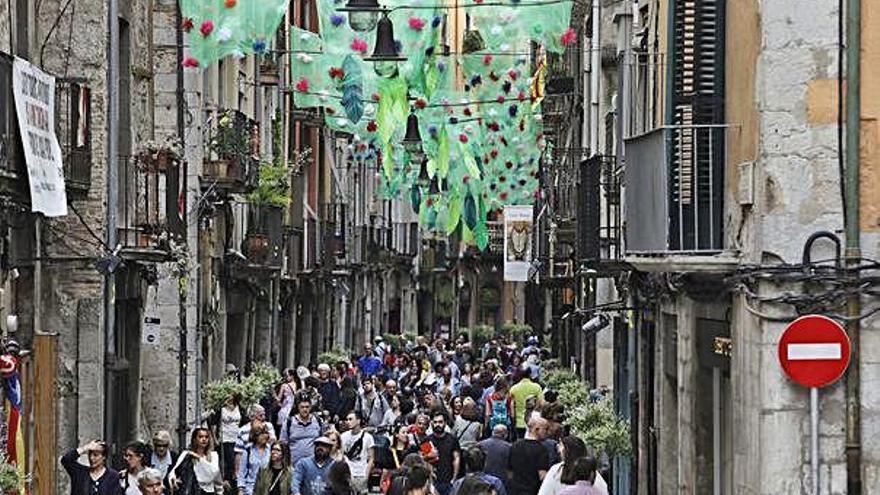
(412, 141)
(435, 186)
(362, 14)
(385, 56)
(423, 173)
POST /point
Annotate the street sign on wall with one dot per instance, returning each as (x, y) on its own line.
(814, 351)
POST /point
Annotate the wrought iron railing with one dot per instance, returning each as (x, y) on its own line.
(232, 156)
(148, 204)
(73, 120)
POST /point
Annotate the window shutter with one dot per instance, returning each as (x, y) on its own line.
(697, 152)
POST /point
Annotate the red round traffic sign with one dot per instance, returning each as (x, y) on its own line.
(814, 351)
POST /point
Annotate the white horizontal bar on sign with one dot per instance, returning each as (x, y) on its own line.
(804, 352)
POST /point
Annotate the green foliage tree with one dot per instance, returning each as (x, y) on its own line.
(252, 387)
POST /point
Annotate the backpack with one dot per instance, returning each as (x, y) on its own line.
(500, 413)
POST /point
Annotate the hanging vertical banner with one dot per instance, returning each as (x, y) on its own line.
(517, 242)
(34, 92)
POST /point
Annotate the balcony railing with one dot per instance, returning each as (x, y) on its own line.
(232, 156)
(148, 204)
(599, 211)
(73, 119)
(264, 240)
(675, 190)
(11, 154)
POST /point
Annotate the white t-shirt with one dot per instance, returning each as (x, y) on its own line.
(552, 484)
(229, 424)
(358, 463)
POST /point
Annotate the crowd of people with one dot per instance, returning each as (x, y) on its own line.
(439, 418)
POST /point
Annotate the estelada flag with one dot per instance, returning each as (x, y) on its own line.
(15, 452)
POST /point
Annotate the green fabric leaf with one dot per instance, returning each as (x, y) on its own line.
(415, 199)
(453, 213)
(442, 161)
(352, 89)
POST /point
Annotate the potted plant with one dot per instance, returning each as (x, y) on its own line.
(266, 202)
(229, 147)
(159, 157)
(12, 480)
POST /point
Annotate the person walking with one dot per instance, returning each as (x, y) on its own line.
(371, 406)
(357, 445)
(448, 453)
(529, 461)
(310, 473)
(570, 448)
(255, 457)
(94, 479)
(257, 417)
(137, 456)
(284, 397)
(368, 364)
(150, 482)
(466, 428)
(301, 429)
(497, 450)
(329, 390)
(475, 465)
(275, 477)
(197, 470)
(162, 457)
(348, 397)
(500, 407)
(228, 420)
(579, 479)
(339, 480)
(524, 390)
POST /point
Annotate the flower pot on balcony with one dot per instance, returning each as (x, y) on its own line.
(257, 247)
(218, 169)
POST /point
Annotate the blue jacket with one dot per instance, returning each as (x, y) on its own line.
(250, 465)
(309, 478)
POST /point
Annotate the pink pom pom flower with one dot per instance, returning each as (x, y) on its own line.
(416, 23)
(359, 45)
(206, 28)
(569, 37)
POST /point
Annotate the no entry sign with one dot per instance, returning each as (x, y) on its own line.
(814, 351)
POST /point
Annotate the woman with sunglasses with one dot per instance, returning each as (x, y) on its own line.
(274, 478)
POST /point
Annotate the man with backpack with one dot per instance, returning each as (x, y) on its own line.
(301, 429)
(357, 446)
(371, 405)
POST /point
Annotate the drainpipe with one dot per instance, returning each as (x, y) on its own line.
(595, 74)
(183, 353)
(852, 253)
(112, 204)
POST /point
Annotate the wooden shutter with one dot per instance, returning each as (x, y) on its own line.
(696, 176)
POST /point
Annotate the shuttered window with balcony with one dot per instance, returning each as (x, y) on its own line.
(696, 140)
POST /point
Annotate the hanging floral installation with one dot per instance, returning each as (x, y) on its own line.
(478, 140)
(219, 28)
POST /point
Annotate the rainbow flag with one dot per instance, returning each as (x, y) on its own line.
(15, 452)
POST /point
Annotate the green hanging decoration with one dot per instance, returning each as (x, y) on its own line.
(470, 211)
(220, 28)
(352, 89)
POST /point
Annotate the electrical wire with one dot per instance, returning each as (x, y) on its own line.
(52, 30)
(89, 228)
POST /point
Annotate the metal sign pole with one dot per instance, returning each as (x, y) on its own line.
(814, 437)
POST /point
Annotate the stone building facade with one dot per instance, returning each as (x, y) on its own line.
(726, 135)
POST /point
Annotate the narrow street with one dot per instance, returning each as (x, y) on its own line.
(452, 247)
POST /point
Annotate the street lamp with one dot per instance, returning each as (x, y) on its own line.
(362, 14)
(385, 56)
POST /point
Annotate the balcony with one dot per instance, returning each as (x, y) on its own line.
(599, 212)
(232, 156)
(675, 191)
(264, 241)
(12, 167)
(73, 114)
(149, 214)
